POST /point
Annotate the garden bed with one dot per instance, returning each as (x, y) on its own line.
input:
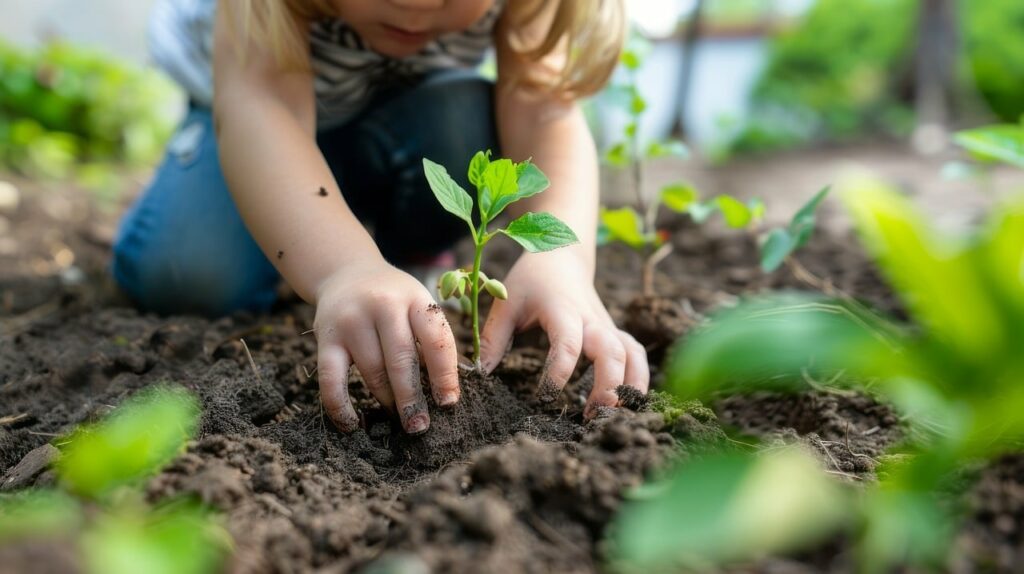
(501, 483)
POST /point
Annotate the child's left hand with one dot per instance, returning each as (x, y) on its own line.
(555, 290)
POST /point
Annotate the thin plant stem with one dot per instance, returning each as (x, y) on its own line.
(475, 300)
(650, 263)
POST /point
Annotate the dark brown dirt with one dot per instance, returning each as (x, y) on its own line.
(504, 482)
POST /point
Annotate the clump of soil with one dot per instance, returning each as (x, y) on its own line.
(848, 430)
(656, 323)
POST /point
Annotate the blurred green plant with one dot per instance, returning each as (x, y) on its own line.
(100, 472)
(957, 373)
(636, 226)
(834, 76)
(995, 144)
(842, 72)
(726, 507)
(69, 112)
(993, 38)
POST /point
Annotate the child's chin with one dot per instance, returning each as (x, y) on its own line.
(394, 49)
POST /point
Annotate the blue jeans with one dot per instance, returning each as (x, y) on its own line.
(183, 248)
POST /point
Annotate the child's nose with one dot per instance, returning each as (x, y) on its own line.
(419, 4)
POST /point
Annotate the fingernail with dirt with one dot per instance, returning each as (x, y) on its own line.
(417, 424)
(345, 424)
(547, 390)
(447, 398)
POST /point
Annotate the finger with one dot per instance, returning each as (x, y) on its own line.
(437, 344)
(638, 372)
(402, 362)
(565, 331)
(332, 363)
(497, 334)
(605, 349)
(364, 347)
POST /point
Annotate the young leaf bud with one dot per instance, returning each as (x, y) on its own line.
(466, 304)
(448, 283)
(496, 289)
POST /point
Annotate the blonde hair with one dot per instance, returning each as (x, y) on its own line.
(587, 34)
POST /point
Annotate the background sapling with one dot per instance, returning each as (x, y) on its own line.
(498, 183)
(636, 226)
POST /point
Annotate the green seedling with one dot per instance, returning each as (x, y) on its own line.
(782, 242)
(957, 373)
(636, 226)
(499, 183)
(100, 472)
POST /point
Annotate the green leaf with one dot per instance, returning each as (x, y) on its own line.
(934, 276)
(769, 343)
(671, 148)
(630, 59)
(728, 507)
(1003, 143)
(141, 436)
(38, 513)
(500, 188)
(736, 213)
(629, 130)
(540, 232)
(776, 248)
(757, 208)
(617, 155)
(1003, 253)
(449, 194)
(180, 540)
(477, 167)
(531, 181)
(701, 211)
(801, 227)
(678, 196)
(624, 225)
(902, 527)
(638, 104)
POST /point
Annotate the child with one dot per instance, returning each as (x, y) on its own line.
(316, 116)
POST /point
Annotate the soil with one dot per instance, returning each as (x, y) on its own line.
(506, 481)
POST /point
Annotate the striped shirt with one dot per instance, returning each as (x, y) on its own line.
(346, 71)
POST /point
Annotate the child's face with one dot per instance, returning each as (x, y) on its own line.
(400, 28)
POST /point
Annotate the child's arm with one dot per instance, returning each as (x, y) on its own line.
(368, 312)
(556, 289)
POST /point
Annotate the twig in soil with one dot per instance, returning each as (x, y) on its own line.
(313, 330)
(37, 433)
(856, 454)
(309, 374)
(252, 363)
(16, 325)
(11, 419)
(871, 431)
(835, 463)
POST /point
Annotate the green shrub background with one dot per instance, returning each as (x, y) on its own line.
(841, 72)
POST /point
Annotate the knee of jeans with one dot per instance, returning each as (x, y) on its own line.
(165, 283)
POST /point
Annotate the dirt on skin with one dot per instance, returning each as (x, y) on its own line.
(506, 481)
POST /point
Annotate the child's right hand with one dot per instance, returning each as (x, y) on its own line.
(374, 315)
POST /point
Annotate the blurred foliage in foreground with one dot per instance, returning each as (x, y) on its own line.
(956, 373)
(100, 501)
(847, 71)
(68, 112)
